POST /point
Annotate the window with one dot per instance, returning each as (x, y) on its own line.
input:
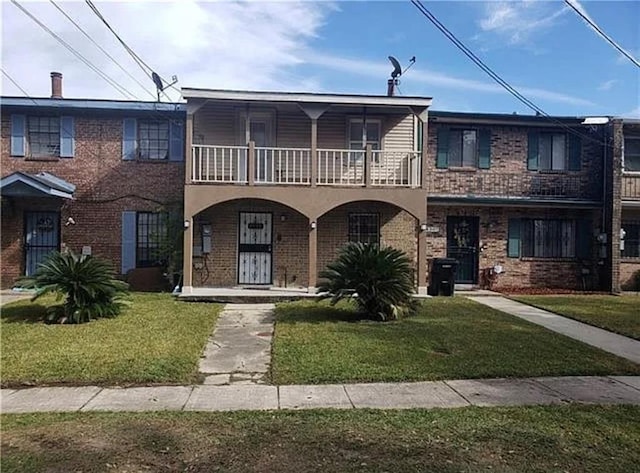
(631, 239)
(357, 136)
(153, 139)
(549, 238)
(632, 153)
(364, 228)
(551, 152)
(44, 136)
(151, 232)
(463, 148)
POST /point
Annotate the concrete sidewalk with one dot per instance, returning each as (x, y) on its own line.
(620, 345)
(430, 394)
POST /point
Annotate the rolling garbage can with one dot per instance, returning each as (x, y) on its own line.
(442, 276)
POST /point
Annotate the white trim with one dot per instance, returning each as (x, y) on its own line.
(13, 178)
(334, 99)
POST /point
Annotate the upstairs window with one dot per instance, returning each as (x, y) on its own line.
(632, 153)
(631, 239)
(463, 148)
(153, 139)
(359, 135)
(364, 228)
(549, 152)
(44, 137)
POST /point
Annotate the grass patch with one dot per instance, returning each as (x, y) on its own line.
(619, 314)
(156, 340)
(526, 439)
(449, 338)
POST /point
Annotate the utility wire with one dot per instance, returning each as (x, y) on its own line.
(138, 60)
(478, 62)
(17, 85)
(602, 33)
(121, 89)
(101, 48)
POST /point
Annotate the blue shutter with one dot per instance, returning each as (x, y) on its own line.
(583, 239)
(442, 157)
(513, 244)
(67, 137)
(128, 241)
(484, 149)
(176, 147)
(129, 138)
(532, 151)
(18, 134)
(575, 152)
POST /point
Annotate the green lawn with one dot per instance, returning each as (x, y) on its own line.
(531, 439)
(450, 338)
(620, 314)
(156, 340)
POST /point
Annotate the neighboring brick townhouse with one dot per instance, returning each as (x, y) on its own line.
(275, 183)
(96, 176)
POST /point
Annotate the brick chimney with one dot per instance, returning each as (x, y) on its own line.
(56, 85)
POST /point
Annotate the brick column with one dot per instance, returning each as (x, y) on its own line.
(313, 256)
(188, 153)
(613, 138)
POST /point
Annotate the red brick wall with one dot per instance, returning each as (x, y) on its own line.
(105, 187)
(493, 231)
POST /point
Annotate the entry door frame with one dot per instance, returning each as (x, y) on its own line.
(269, 279)
(474, 249)
(27, 246)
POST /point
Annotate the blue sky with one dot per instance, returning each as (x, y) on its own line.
(541, 47)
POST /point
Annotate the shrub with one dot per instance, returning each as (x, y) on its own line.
(380, 280)
(86, 283)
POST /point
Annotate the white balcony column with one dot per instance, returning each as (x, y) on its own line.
(251, 165)
(187, 263)
(368, 162)
(314, 152)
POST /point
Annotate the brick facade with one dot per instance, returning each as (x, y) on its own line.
(105, 187)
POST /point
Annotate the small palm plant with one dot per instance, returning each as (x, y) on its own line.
(380, 281)
(86, 283)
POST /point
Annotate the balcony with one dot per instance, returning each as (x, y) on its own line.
(512, 185)
(252, 165)
(630, 187)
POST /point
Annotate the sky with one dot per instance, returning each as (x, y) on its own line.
(541, 48)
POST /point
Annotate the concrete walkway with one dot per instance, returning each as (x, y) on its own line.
(239, 351)
(7, 296)
(622, 346)
(430, 394)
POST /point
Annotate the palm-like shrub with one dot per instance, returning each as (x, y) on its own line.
(380, 280)
(86, 283)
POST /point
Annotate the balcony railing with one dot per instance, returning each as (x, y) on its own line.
(631, 187)
(511, 185)
(292, 166)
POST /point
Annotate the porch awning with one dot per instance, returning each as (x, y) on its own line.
(43, 184)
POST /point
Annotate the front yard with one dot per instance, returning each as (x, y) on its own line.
(620, 314)
(451, 338)
(156, 340)
(533, 439)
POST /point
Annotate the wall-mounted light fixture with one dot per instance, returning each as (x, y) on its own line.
(283, 217)
(423, 227)
(313, 225)
(187, 224)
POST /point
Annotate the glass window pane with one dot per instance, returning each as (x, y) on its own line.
(455, 148)
(355, 131)
(558, 151)
(469, 148)
(373, 131)
(544, 152)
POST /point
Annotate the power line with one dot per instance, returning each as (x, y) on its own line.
(602, 33)
(18, 85)
(491, 73)
(148, 70)
(100, 47)
(121, 89)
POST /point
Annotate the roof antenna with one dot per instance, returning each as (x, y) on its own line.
(157, 80)
(392, 83)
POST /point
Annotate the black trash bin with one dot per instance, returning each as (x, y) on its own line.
(442, 276)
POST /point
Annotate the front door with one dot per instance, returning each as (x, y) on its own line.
(254, 248)
(462, 244)
(41, 237)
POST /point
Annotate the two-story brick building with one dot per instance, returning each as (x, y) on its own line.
(96, 176)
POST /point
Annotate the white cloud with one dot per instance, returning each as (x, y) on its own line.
(519, 22)
(439, 79)
(607, 85)
(250, 45)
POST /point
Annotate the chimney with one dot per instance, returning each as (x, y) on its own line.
(391, 87)
(56, 85)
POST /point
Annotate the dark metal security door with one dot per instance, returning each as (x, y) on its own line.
(254, 248)
(462, 244)
(41, 237)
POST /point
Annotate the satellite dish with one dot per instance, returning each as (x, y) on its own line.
(397, 70)
(157, 81)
